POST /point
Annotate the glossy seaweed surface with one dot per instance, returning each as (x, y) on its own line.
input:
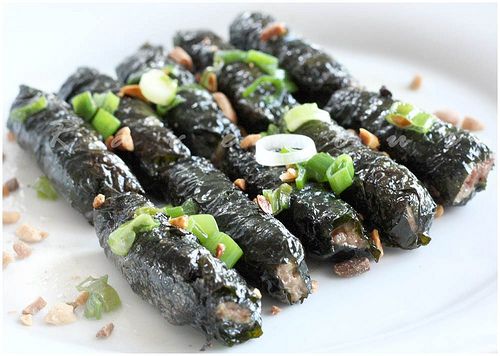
(155, 138)
(314, 212)
(171, 270)
(388, 195)
(70, 153)
(442, 159)
(315, 72)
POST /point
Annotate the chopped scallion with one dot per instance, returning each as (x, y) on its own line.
(301, 179)
(190, 207)
(45, 189)
(279, 198)
(202, 226)
(229, 56)
(266, 62)
(174, 212)
(343, 161)
(102, 297)
(35, 105)
(339, 180)
(317, 166)
(121, 240)
(231, 251)
(301, 114)
(84, 105)
(158, 87)
(105, 123)
(408, 117)
(163, 109)
(107, 101)
(264, 80)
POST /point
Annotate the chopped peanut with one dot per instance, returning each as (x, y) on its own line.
(123, 140)
(249, 141)
(275, 310)
(133, 91)
(314, 286)
(289, 176)
(108, 141)
(369, 139)
(180, 56)
(401, 121)
(28, 233)
(105, 331)
(439, 211)
(10, 217)
(6, 259)
(241, 184)
(449, 116)
(264, 204)
(98, 201)
(211, 82)
(22, 250)
(225, 105)
(60, 314)
(35, 307)
(81, 299)
(257, 293)
(10, 186)
(416, 83)
(26, 319)
(180, 222)
(273, 30)
(11, 137)
(376, 239)
(219, 250)
(472, 124)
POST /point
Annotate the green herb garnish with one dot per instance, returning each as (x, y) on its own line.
(102, 297)
(35, 105)
(45, 189)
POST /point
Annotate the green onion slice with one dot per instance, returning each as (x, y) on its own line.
(266, 62)
(265, 80)
(162, 110)
(343, 161)
(102, 297)
(408, 117)
(105, 123)
(45, 189)
(158, 87)
(268, 149)
(84, 105)
(202, 226)
(35, 105)
(278, 198)
(229, 56)
(174, 212)
(301, 180)
(121, 240)
(301, 114)
(339, 180)
(317, 166)
(107, 101)
(232, 252)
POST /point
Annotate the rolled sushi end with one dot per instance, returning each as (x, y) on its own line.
(348, 240)
(295, 286)
(245, 319)
(474, 182)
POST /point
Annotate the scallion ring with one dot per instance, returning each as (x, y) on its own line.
(267, 149)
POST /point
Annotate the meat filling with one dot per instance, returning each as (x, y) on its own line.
(230, 311)
(346, 235)
(292, 281)
(476, 177)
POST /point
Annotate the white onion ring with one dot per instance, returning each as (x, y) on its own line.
(268, 147)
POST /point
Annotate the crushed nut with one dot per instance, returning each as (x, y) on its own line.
(35, 307)
(401, 121)
(351, 268)
(10, 217)
(26, 319)
(472, 124)
(369, 139)
(211, 82)
(289, 176)
(22, 250)
(376, 239)
(11, 137)
(241, 184)
(273, 30)
(219, 250)
(416, 83)
(449, 116)
(180, 56)
(6, 259)
(108, 141)
(257, 293)
(314, 286)
(134, 91)
(98, 201)
(80, 300)
(180, 222)
(275, 310)
(105, 331)
(439, 211)
(249, 141)
(10, 186)
(264, 204)
(28, 233)
(60, 314)
(122, 140)
(225, 105)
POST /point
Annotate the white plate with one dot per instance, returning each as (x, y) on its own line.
(438, 298)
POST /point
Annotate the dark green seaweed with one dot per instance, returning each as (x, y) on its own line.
(150, 57)
(315, 72)
(165, 266)
(388, 195)
(243, 221)
(171, 270)
(451, 162)
(70, 153)
(319, 219)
